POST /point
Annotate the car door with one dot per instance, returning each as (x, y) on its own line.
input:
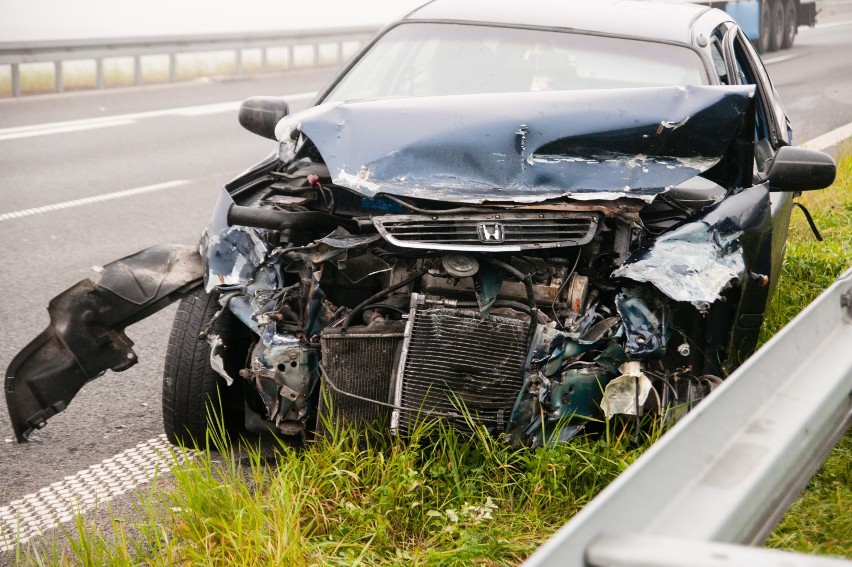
(772, 131)
(744, 67)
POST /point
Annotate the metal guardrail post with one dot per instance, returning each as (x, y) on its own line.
(59, 86)
(16, 80)
(99, 73)
(264, 62)
(137, 70)
(172, 67)
(727, 472)
(238, 62)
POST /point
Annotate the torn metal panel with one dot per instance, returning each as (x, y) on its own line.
(696, 261)
(86, 332)
(284, 371)
(527, 147)
(693, 263)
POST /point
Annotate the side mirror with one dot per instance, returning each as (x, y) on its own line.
(260, 114)
(800, 169)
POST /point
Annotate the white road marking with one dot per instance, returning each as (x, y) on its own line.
(833, 24)
(781, 58)
(70, 127)
(830, 138)
(95, 199)
(51, 128)
(32, 515)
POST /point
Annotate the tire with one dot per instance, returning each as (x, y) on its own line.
(777, 26)
(791, 24)
(191, 388)
(765, 27)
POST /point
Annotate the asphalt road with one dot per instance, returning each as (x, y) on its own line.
(43, 163)
(43, 254)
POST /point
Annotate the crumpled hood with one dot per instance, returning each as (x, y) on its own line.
(527, 147)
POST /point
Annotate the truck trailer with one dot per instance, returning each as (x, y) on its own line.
(769, 24)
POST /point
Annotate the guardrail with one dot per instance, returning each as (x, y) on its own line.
(16, 54)
(728, 471)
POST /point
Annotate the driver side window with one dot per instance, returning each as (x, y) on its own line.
(771, 118)
(747, 75)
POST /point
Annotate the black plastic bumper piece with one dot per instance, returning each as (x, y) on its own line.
(86, 332)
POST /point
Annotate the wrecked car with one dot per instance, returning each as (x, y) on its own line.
(529, 220)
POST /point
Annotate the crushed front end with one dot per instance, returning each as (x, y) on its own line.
(399, 291)
(516, 267)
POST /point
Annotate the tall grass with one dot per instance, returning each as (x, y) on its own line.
(439, 498)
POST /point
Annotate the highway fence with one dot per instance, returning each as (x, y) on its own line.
(341, 41)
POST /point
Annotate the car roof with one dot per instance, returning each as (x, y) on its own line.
(662, 21)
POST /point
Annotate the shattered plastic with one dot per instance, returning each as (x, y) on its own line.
(622, 394)
(527, 147)
(216, 361)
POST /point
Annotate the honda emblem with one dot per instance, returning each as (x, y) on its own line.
(490, 232)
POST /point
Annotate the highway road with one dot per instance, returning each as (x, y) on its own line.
(174, 146)
(191, 153)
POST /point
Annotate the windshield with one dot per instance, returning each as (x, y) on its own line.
(430, 59)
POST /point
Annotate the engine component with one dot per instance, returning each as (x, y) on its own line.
(357, 364)
(284, 373)
(460, 265)
(453, 362)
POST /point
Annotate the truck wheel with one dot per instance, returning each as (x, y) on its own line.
(791, 24)
(765, 27)
(191, 388)
(777, 25)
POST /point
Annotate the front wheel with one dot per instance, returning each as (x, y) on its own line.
(193, 392)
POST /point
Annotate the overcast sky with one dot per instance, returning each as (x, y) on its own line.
(31, 20)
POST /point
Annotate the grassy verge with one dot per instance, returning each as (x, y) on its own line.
(441, 499)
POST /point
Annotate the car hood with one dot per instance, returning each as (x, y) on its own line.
(526, 147)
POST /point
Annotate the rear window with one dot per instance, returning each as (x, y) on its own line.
(430, 59)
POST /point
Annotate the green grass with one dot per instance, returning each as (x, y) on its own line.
(437, 499)
(441, 498)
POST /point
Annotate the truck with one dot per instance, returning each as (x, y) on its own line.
(769, 24)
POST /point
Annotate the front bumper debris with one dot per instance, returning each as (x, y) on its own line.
(86, 332)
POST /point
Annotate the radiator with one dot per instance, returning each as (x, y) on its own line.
(452, 360)
(361, 362)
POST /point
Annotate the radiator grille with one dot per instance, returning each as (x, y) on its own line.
(454, 357)
(489, 232)
(359, 362)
